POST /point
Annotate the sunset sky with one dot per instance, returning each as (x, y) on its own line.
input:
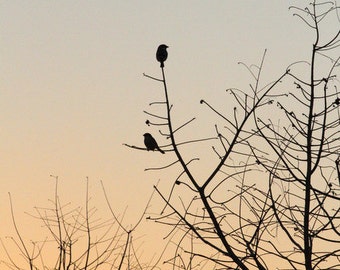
(72, 89)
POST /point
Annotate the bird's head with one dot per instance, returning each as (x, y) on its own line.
(146, 134)
(163, 46)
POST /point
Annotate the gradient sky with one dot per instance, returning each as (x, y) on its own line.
(72, 89)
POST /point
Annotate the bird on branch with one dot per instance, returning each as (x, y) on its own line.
(151, 143)
(162, 54)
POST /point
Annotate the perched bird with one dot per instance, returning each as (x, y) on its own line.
(151, 143)
(162, 54)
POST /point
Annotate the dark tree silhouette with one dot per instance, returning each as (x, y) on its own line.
(78, 239)
(272, 200)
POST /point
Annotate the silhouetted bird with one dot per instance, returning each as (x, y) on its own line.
(162, 54)
(151, 143)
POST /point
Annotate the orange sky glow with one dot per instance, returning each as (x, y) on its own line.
(73, 92)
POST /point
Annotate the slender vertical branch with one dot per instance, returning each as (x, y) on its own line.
(88, 229)
(23, 245)
(171, 133)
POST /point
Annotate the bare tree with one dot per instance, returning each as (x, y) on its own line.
(272, 200)
(78, 239)
(304, 147)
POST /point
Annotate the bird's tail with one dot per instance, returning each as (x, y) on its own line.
(162, 64)
(160, 150)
